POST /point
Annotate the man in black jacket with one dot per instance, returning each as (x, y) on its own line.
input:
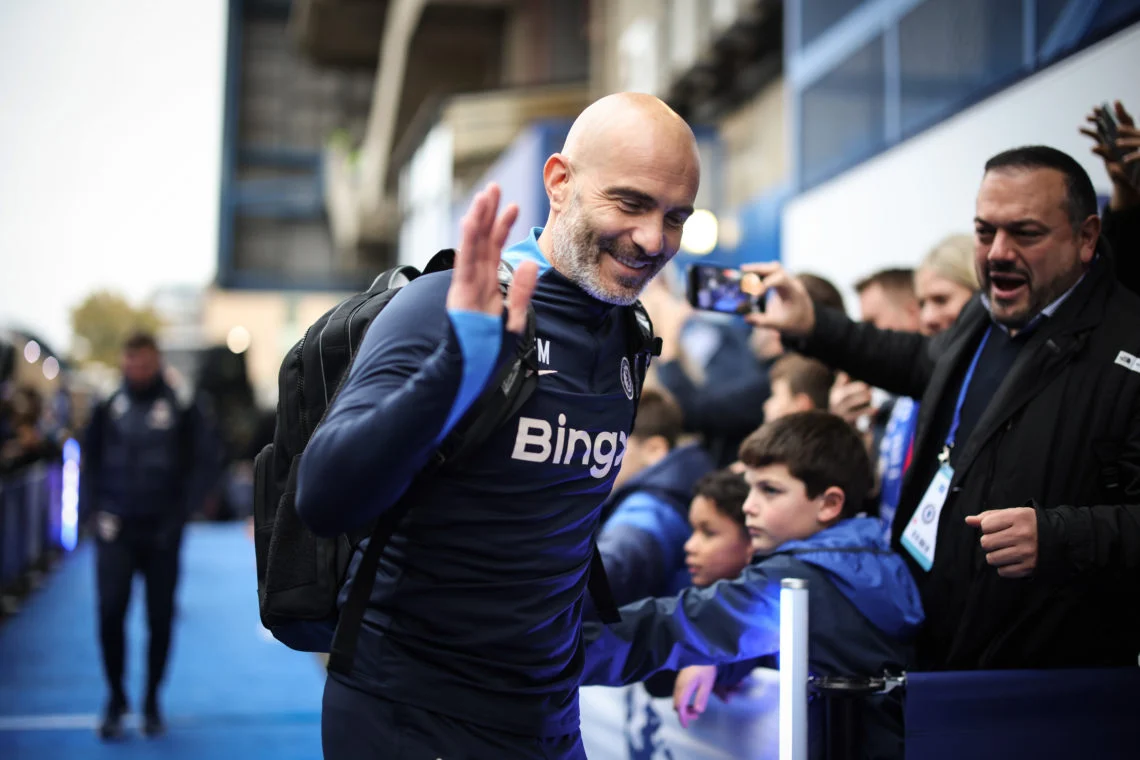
(1020, 516)
(142, 475)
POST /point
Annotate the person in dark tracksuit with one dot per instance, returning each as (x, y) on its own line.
(138, 484)
(806, 472)
(471, 646)
(646, 518)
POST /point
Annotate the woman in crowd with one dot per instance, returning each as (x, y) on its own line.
(944, 282)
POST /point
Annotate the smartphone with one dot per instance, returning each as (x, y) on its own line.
(1106, 129)
(727, 291)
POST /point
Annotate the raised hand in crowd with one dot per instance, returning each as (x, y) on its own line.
(789, 308)
(475, 284)
(850, 399)
(1124, 173)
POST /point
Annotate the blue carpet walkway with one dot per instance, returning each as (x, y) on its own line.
(231, 690)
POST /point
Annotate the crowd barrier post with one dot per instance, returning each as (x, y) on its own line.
(793, 669)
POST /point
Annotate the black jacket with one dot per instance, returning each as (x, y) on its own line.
(142, 457)
(1063, 429)
(1122, 231)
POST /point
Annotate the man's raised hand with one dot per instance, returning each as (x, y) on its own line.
(475, 282)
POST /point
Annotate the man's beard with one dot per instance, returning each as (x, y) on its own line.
(580, 251)
(1039, 296)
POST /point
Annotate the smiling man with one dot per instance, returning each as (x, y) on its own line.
(471, 646)
(1020, 515)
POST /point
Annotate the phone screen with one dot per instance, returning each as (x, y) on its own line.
(728, 291)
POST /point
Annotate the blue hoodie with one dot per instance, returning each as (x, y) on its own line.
(864, 609)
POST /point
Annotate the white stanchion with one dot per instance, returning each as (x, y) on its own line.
(793, 668)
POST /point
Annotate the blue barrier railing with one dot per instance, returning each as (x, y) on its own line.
(981, 715)
(32, 524)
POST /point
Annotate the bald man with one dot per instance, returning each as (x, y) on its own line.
(471, 647)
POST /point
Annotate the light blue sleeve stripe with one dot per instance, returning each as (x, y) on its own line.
(480, 337)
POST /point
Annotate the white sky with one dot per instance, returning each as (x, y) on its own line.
(110, 137)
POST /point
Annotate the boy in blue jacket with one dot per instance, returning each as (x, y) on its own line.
(808, 474)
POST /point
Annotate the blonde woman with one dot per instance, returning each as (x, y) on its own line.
(944, 282)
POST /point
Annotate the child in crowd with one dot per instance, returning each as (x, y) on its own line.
(808, 474)
(719, 547)
(799, 384)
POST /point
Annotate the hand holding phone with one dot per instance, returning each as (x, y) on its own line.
(724, 290)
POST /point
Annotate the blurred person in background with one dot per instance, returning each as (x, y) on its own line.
(709, 368)
(1020, 514)
(822, 292)
(1122, 215)
(224, 394)
(799, 384)
(25, 442)
(887, 301)
(944, 283)
(645, 519)
(140, 481)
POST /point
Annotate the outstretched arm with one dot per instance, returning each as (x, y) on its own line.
(425, 359)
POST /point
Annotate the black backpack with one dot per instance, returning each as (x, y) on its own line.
(299, 574)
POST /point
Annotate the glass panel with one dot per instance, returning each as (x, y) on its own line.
(842, 114)
(1072, 23)
(817, 16)
(950, 51)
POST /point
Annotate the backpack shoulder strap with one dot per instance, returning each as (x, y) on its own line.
(641, 347)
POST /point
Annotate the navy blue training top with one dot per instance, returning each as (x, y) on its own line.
(477, 607)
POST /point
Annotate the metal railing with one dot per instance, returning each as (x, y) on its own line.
(38, 522)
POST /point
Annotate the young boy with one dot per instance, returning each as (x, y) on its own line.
(799, 384)
(808, 474)
(719, 547)
(645, 523)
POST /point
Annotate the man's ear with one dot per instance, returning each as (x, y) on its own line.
(830, 506)
(556, 179)
(1087, 238)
